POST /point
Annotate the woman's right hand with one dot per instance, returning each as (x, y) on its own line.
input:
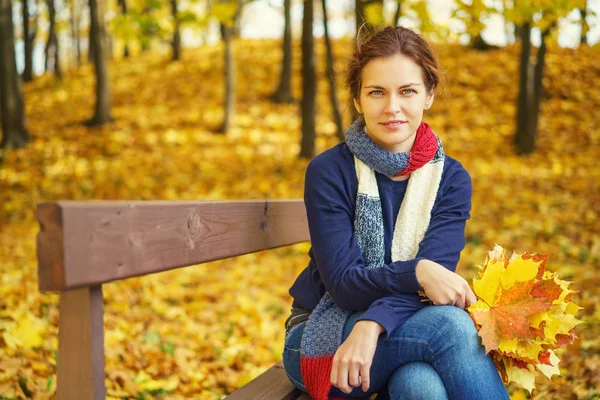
(444, 287)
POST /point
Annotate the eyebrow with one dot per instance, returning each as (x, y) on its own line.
(401, 87)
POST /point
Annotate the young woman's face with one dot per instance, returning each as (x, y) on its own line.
(392, 99)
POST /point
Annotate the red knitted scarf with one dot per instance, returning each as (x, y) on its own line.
(423, 150)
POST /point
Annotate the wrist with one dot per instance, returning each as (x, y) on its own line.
(422, 272)
(370, 327)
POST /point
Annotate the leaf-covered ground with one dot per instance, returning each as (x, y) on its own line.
(203, 331)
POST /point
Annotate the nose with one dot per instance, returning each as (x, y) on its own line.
(394, 104)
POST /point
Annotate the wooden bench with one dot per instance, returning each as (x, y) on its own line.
(82, 245)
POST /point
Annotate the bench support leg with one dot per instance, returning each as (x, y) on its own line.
(81, 345)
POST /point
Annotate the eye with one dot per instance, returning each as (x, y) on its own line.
(408, 90)
(376, 92)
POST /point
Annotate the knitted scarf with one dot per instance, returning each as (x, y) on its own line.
(322, 334)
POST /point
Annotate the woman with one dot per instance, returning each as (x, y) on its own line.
(387, 212)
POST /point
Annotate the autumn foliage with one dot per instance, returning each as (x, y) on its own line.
(201, 332)
(523, 314)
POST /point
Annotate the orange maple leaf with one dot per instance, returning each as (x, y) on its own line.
(507, 318)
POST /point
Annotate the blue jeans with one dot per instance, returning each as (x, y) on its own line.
(435, 354)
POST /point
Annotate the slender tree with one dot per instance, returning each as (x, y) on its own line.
(230, 28)
(309, 83)
(585, 27)
(75, 20)
(12, 112)
(530, 89)
(522, 139)
(283, 94)
(229, 63)
(123, 5)
(362, 22)
(398, 13)
(176, 43)
(538, 88)
(51, 51)
(331, 76)
(29, 33)
(103, 102)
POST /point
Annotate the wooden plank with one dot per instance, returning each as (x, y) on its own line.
(50, 253)
(81, 345)
(82, 243)
(273, 384)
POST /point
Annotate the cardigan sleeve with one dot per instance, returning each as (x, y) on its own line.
(392, 311)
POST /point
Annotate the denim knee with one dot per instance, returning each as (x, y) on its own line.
(416, 381)
(455, 324)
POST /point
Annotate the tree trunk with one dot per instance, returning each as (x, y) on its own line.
(309, 84)
(91, 49)
(29, 33)
(73, 24)
(525, 144)
(51, 51)
(108, 46)
(176, 35)
(358, 11)
(398, 13)
(538, 88)
(584, 25)
(145, 46)
(102, 109)
(283, 94)
(78, 37)
(229, 64)
(331, 75)
(12, 112)
(123, 5)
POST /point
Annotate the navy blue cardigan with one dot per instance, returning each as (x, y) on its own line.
(387, 295)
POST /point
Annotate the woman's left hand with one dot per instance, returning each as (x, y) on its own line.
(352, 361)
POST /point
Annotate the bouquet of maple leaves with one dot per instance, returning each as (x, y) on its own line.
(523, 314)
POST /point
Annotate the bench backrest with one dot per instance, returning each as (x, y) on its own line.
(83, 244)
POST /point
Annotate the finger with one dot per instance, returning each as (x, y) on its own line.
(460, 302)
(353, 375)
(333, 377)
(365, 377)
(342, 381)
(471, 298)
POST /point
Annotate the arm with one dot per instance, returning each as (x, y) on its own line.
(330, 209)
(439, 252)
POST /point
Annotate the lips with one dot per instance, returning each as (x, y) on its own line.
(393, 124)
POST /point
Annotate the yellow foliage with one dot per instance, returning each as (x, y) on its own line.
(216, 325)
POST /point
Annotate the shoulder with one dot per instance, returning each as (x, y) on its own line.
(334, 162)
(456, 186)
(330, 176)
(455, 174)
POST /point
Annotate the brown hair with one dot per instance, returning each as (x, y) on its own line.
(388, 42)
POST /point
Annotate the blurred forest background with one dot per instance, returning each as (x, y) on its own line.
(198, 99)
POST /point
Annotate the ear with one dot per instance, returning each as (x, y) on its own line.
(429, 100)
(357, 105)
